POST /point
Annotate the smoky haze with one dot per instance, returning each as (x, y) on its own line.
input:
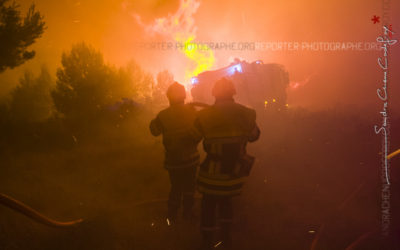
(329, 77)
(75, 120)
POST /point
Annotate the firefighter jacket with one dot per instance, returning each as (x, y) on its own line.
(180, 138)
(226, 127)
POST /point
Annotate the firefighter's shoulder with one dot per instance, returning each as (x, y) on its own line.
(248, 112)
(177, 114)
(243, 111)
(165, 113)
(190, 108)
(205, 111)
(238, 108)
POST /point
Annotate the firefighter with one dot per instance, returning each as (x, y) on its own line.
(226, 127)
(180, 140)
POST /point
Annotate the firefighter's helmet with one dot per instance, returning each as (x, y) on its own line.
(223, 88)
(176, 92)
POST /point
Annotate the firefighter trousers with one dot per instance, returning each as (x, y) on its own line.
(182, 191)
(216, 209)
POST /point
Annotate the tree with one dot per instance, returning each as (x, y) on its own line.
(17, 34)
(84, 83)
(31, 100)
(86, 86)
(139, 81)
(164, 80)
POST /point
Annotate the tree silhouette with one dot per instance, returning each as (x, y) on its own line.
(17, 34)
(164, 80)
(31, 100)
(86, 85)
(139, 81)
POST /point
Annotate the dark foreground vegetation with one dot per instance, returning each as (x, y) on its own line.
(316, 182)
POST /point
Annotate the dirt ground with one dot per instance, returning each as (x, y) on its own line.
(315, 185)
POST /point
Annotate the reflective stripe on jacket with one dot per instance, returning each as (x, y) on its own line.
(226, 127)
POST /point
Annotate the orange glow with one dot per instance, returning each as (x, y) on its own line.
(112, 27)
(181, 27)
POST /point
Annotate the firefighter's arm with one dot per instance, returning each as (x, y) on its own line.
(156, 127)
(196, 131)
(255, 131)
(254, 134)
(195, 135)
(198, 128)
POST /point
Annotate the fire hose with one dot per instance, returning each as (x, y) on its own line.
(33, 214)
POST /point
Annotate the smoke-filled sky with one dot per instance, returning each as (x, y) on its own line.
(119, 28)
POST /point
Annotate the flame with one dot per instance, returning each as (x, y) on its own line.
(202, 57)
(181, 27)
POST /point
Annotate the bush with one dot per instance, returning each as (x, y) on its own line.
(31, 100)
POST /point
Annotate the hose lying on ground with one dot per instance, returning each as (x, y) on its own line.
(33, 214)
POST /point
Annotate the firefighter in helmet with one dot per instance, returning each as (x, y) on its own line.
(226, 128)
(180, 139)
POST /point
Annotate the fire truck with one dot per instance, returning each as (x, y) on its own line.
(258, 85)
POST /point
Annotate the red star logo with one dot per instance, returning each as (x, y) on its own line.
(375, 19)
